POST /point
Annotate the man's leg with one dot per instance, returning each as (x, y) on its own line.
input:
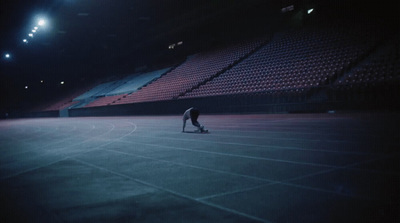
(194, 114)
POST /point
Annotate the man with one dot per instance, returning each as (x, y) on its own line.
(193, 114)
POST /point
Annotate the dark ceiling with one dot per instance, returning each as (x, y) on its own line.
(110, 36)
(96, 38)
(91, 39)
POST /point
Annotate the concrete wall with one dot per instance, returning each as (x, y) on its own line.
(314, 100)
(211, 105)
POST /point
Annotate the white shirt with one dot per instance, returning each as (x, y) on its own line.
(186, 115)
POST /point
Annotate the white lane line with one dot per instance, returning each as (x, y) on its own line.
(287, 183)
(81, 142)
(192, 166)
(272, 136)
(66, 139)
(256, 145)
(170, 191)
(113, 140)
(41, 166)
(234, 192)
(269, 182)
(30, 149)
(36, 134)
(121, 137)
(233, 155)
(257, 127)
(31, 169)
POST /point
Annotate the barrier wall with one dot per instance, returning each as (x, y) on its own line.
(210, 105)
(385, 97)
(323, 99)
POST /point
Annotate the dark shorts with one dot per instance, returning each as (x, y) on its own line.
(194, 115)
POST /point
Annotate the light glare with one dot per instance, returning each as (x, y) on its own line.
(41, 22)
(309, 11)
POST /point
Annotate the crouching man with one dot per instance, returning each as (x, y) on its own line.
(193, 114)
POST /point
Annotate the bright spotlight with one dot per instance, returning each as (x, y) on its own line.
(25, 40)
(35, 28)
(62, 82)
(309, 11)
(30, 34)
(26, 87)
(41, 22)
(7, 55)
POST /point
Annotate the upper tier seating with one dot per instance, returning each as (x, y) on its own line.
(194, 71)
(296, 60)
(133, 83)
(129, 84)
(66, 100)
(382, 66)
(99, 90)
(108, 100)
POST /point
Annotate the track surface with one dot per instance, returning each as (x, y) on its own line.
(250, 168)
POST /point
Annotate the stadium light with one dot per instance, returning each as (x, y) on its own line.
(35, 28)
(310, 11)
(25, 40)
(41, 22)
(30, 34)
(26, 87)
(7, 55)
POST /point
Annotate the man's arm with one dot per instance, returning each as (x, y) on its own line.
(185, 117)
(184, 125)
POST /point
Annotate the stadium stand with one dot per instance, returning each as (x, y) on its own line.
(108, 100)
(129, 84)
(62, 104)
(100, 90)
(134, 82)
(67, 100)
(296, 60)
(191, 73)
(322, 56)
(381, 66)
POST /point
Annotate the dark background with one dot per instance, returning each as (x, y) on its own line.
(84, 41)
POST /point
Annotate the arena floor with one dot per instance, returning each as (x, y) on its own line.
(249, 168)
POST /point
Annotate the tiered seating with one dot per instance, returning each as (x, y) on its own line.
(134, 82)
(99, 90)
(194, 71)
(131, 84)
(62, 104)
(296, 60)
(65, 101)
(108, 100)
(384, 66)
